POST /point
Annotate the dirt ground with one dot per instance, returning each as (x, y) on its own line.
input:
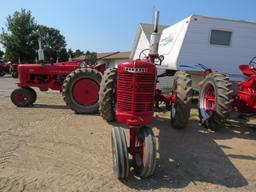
(49, 148)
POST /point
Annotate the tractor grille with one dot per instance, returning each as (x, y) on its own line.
(135, 92)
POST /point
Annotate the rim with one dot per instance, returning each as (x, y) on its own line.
(85, 92)
(207, 101)
(173, 102)
(21, 97)
(140, 154)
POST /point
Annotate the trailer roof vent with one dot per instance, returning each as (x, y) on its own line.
(219, 37)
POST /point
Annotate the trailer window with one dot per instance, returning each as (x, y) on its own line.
(220, 37)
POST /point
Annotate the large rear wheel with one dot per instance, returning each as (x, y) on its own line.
(107, 95)
(181, 99)
(81, 90)
(215, 100)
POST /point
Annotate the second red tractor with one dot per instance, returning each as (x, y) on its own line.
(218, 96)
(78, 82)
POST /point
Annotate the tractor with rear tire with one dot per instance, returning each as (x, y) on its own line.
(128, 94)
(78, 82)
(8, 68)
(218, 97)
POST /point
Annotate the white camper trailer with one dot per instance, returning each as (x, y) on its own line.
(219, 44)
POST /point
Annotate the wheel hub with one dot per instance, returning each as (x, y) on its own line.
(207, 102)
(85, 92)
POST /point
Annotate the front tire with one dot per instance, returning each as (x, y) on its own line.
(2, 74)
(119, 153)
(80, 90)
(14, 74)
(181, 99)
(144, 162)
(215, 100)
(22, 97)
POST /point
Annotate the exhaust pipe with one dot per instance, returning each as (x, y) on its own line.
(155, 37)
(156, 21)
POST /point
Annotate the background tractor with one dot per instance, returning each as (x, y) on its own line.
(218, 96)
(8, 68)
(79, 83)
(127, 94)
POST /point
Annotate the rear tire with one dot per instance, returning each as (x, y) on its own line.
(215, 100)
(107, 95)
(80, 90)
(119, 153)
(182, 92)
(22, 97)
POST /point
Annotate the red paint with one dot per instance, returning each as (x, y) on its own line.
(85, 92)
(49, 76)
(135, 92)
(245, 99)
(209, 98)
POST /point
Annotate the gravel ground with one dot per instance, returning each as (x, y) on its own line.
(48, 148)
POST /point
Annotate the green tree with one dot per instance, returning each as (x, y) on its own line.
(53, 42)
(63, 55)
(20, 39)
(71, 53)
(90, 57)
(1, 55)
(78, 53)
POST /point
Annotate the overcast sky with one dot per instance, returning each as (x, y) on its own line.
(111, 25)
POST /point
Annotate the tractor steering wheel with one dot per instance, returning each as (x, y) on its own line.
(144, 54)
(252, 63)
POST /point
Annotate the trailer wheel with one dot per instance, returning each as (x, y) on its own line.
(107, 95)
(33, 92)
(215, 100)
(22, 97)
(119, 153)
(80, 90)
(181, 99)
(144, 162)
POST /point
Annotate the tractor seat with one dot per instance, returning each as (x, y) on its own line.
(246, 70)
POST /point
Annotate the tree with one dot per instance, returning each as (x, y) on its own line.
(78, 53)
(90, 57)
(20, 39)
(63, 55)
(71, 53)
(1, 55)
(53, 42)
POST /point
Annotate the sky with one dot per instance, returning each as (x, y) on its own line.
(111, 25)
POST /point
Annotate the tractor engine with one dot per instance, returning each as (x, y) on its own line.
(136, 83)
(245, 99)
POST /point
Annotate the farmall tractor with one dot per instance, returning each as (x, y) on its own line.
(217, 97)
(78, 82)
(127, 94)
(8, 68)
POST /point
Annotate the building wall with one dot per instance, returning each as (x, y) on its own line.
(143, 43)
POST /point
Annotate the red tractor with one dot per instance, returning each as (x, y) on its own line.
(217, 98)
(127, 94)
(78, 82)
(8, 68)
